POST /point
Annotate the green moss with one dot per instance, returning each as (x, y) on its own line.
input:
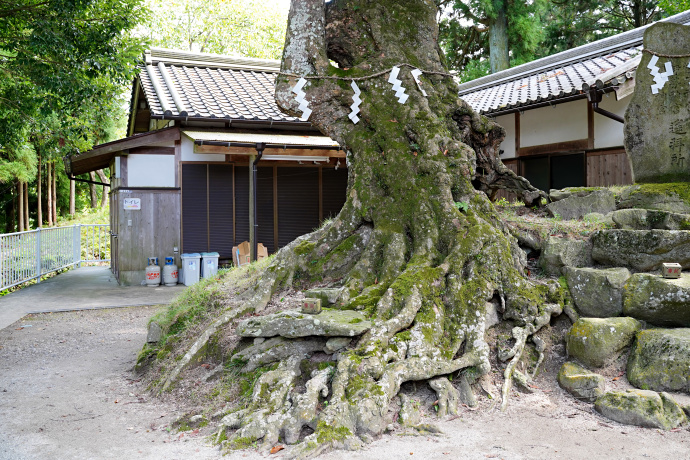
(304, 247)
(242, 443)
(680, 189)
(326, 433)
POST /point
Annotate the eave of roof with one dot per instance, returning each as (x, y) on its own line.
(565, 75)
(201, 86)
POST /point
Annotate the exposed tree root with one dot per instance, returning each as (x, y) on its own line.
(417, 250)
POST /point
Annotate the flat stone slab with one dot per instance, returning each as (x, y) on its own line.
(597, 341)
(597, 292)
(642, 250)
(580, 382)
(558, 253)
(292, 323)
(641, 408)
(659, 301)
(575, 207)
(660, 360)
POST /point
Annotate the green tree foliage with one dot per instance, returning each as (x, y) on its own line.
(251, 28)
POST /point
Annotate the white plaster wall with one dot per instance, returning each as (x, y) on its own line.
(150, 170)
(607, 132)
(552, 124)
(508, 144)
(187, 152)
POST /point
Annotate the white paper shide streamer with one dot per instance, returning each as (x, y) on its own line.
(397, 85)
(415, 74)
(660, 78)
(300, 97)
(356, 101)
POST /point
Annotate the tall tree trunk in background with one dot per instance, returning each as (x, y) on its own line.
(104, 179)
(39, 194)
(417, 248)
(54, 193)
(12, 222)
(49, 193)
(72, 198)
(92, 190)
(27, 225)
(20, 207)
(499, 56)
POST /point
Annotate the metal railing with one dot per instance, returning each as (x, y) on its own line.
(25, 256)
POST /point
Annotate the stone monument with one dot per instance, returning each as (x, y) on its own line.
(657, 121)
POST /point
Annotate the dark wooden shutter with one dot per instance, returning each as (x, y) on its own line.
(241, 204)
(334, 189)
(298, 202)
(220, 209)
(264, 207)
(194, 208)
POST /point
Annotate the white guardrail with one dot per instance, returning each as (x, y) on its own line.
(25, 256)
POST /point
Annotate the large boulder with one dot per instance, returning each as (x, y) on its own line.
(580, 382)
(292, 323)
(596, 342)
(671, 197)
(575, 207)
(657, 300)
(563, 252)
(641, 408)
(656, 134)
(644, 219)
(660, 360)
(597, 292)
(642, 250)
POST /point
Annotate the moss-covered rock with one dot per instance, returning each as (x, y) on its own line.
(580, 382)
(642, 250)
(597, 292)
(598, 341)
(643, 219)
(564, 252)
(671, 197)
(292, 323)
(660, 360)
(660, 301)
(641, 408)
(328, 296)
(574, 206)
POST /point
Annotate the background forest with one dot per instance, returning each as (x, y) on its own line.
(66, 68)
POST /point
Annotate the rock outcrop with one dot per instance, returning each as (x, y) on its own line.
(562, 252)
(596, 342)
(575, 206)
(597, 293)
(642, 408)
(660, 360)
(642, 250)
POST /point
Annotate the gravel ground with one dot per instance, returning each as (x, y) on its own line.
(67, 391)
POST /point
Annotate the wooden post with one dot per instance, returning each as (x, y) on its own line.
(49, 194)
(252, 234)
(104, 179)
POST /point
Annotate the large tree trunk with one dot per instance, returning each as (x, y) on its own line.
(92, 190)
(499, 57)
(104, 179)
(27, 226)
(417, 247)
(39, 194)
(54, 193)
(72, 193)
(20, 207)
(49, 193)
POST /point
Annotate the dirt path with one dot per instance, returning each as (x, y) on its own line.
(67, 392)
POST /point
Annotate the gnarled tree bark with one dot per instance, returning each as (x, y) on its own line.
(417, 246)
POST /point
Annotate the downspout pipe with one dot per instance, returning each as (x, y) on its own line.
(594, 98)
(260, 146)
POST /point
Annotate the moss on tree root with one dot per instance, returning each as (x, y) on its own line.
(424, 271)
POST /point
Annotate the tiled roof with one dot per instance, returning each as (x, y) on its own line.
(199, 85)
(604, 63)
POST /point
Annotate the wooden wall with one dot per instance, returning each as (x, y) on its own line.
(608, 168)
(154, 231)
